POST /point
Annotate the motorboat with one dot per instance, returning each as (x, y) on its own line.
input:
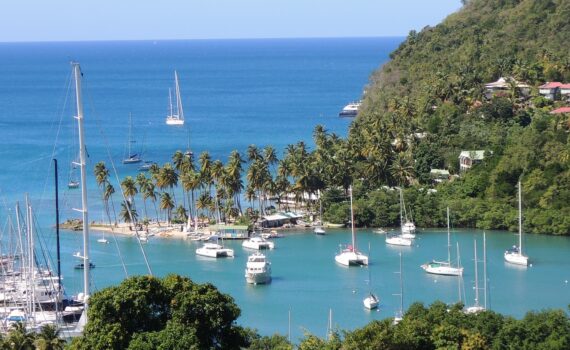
(379, 231)
(350, 110)
(515, 254)
(257, 242)
(398, 240)
(350, 256)
(272, 234)
(215, 250)
(319, 230)
(258, 269)
(444, 267)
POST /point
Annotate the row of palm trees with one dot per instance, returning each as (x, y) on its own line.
(185, 188)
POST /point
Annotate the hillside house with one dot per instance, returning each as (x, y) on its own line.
(503, 85)
(550, 90)
(439, 175)
(468, 158)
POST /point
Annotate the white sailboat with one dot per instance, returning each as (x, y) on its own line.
(371, 301)
(515, 254)
(175, 118)
(319, 229)
(350, 256)
(82, 162)
(477, 307)
(407, 226)
(444, 267)
(400, 313)
(130, 157)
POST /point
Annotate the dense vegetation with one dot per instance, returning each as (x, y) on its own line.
(145, 312)
(175, 313)
(420, 111)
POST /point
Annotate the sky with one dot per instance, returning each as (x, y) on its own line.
(84, 20)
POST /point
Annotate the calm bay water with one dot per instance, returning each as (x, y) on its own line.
(235, 93)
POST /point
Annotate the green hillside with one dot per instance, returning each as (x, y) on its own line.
(427, 104)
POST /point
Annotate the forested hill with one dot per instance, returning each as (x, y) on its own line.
(427, 104)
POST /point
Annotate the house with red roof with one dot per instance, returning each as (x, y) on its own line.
(565, 91)
(561, 110)
(550, 89)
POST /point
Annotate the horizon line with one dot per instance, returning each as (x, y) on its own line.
(199, 39)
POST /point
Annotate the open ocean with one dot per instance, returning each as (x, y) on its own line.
(235, 93)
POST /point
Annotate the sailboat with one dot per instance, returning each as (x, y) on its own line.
(400, 313)
(371, 301)
(477, 307)
(175, 118)
(350, 256)
(82, 161)
(408, 227)
(515, 254)
(131, 158)
(319, 230)
(444, 267)
(73, 182)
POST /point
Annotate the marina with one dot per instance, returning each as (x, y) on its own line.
(303, 266)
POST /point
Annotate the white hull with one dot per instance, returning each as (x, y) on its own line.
(132, 160)
(174, 121)
(103, 240)
(442, 268)
(258, 243)
(319, 231)
(351, 258)
(258, 269)
(516, 258)
(379, 231)
(213, 250)
(474, 309)
(408, 235)
(399, 240)
(371, 302)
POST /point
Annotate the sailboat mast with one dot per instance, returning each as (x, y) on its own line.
(476, 276)
(520, 220)
(401, 288)
(170, 102)
(57, 225)
(458, 275)
(82, 162)
(401, 207)
(178, 98)
(130, 141)
(485, 269)
(448, 240)
(352, 221)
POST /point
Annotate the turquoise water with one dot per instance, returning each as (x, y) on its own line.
(266, 92)
(308, 282)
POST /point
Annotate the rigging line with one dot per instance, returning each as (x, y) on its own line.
(107, 148)
(56, 139)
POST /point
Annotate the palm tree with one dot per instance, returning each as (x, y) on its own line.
(48, 339)
(149, 192)
(167, 177)
(253, 153)
(402, 169)
(234, 171)
(128, 212)
(129, 189)
(20, 338)
(166, 203)
(107, 194)
(181, 214)
(143, 182)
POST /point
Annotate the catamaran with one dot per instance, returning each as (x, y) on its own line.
(444, 267)
(515, 254)
(175, 118)
(350, 256)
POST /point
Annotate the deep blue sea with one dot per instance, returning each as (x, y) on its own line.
(235, 93)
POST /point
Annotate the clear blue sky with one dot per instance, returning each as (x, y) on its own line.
(69, 20)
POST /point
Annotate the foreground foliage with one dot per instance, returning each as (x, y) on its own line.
(145, 312)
